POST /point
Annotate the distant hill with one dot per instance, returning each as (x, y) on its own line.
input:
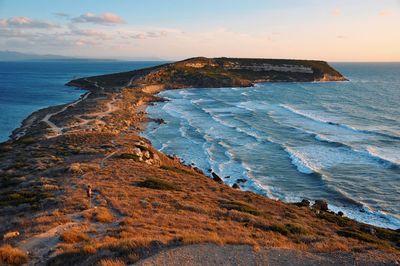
(17, 56)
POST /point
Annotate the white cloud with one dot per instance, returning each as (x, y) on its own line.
(105, 19)
(149, 35)
(24, 22)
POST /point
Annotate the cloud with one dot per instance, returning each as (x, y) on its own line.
(90, 33)
(105, 19)
(149, 35)
(24, 22)
(336, 12)
(61, 15)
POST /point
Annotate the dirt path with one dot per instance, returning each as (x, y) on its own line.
(40, 247)
(54, 127)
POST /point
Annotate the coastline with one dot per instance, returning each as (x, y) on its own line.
(100, 138)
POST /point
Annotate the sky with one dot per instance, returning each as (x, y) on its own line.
(332, 30)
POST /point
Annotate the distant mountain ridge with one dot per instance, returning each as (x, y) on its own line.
(18, 56)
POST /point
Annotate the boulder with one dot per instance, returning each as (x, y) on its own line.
(216, 178)
(236, 186)
(241, 180)
(321, 205)
(340, 213)
(303, 203)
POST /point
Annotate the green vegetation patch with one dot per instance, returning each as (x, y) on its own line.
(288, 229)
(357, 235)
(333, 218)
(176, 170)
(15, 198)
(154, 183)
(26, 141)
(240, 206)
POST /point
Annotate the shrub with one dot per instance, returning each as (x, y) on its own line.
(26, 140)
(357, 235)
(287, 229)
(154, 183)
(21, 197)
(333, 218)
(12, 256)
(240, 206)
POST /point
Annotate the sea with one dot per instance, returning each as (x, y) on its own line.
(336, 141)
(28, 86)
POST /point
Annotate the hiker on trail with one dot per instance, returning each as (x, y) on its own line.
(89, 194)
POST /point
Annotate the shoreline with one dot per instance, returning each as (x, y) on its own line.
(142, 198)
(45, 114)
(363, 214)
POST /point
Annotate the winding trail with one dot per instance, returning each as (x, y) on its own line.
(54, 127)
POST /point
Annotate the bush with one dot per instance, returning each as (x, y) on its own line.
(26, 141)
(240, 206)
(12, 256)
(287, 229)
(154, 183)
(15, 198)
(357, 235)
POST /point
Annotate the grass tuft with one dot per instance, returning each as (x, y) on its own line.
(12, 256)
(74, 236)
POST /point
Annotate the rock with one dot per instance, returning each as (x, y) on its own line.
(340, 213)
(216, 178)
(236, 186)
(147, 154)
(303, 203)
(321, 205)
(227, 177)
(10, 235)
(241, 180)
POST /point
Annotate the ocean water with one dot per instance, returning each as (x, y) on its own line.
(29, 86)
(336, 141)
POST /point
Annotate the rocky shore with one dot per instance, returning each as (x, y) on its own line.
(143, 202)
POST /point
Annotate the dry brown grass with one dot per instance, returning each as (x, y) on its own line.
(111, 262)
(103, 215)
(74, 236)
(135, 218)
(12, 256)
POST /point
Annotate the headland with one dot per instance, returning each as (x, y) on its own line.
(145, 203)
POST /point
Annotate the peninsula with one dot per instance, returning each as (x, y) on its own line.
(146, 207)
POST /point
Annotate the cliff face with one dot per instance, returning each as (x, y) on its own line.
(221, 72)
